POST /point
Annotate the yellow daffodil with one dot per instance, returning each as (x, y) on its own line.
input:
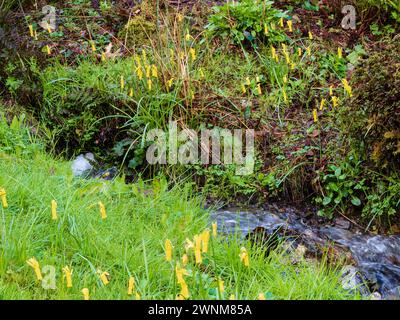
(131, 92)
(197, 249)
(169, 83)
(180, 272)
(139, 73)
(285, 98)
(232, 297)
(180, 17)
(340, 52)
(202, 76)
(168, 250)
(335, 101)
(310, 35)
(192, 53)
(274, 54)
(48, 50)
(138, 61)
(31, 31)
(137, 296)
(257, 79)
(266, 29)
(102, 208)
(32, 262)
(243, 88)
(299, 52)
(154, 71)
(131, 285)
(248, 81)
(188, 37)
(3, 196)
(281, 22)
(144, 57)
(68, 276)
(93, 46)
(184, 290)
(292, 65)
(148, 71)
(244, 256)
(322, 104)
(347, 87)
(104, 277)
(259, 88)
(103, 56)
(205, 237)
(284, 79)
(261, 296)
(53, 209)
(48, 29)
(315, 115)
(214, 229)
(85, 292)
(36, 37)
(308, 51)
(331, 90)
(149, 84)
(290, 25)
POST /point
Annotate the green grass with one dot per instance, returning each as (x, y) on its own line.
(129, 242)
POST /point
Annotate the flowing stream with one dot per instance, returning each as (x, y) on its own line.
(373, 261)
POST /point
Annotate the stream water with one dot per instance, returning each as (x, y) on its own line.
(373, 261)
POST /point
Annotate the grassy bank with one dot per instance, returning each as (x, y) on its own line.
(128, 239)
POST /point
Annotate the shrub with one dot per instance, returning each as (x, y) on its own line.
(246, 20)
(375, 107)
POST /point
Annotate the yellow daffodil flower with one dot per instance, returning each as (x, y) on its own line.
(259, 88)
(266, 29)
(102, 208)
(315, 115)
(331, 90)
(335, 101)
(149, 84)
(93, 46)
(290, 25)
(104, 277)
(243, 88)
(322, 104)
(148, 71)
(131, 92)
(154, 71)
(214, 229)
(192, 53)
(184, 290)
(169, 83)
(32, 262)
(48, 50)
(197, 249)
(248, 81)
(205, 237)
(299, 52)
(244, 256)
(139, 73)
(308, 51)
(232, 297)
(53, 209)
(310, 35)
(68, 276)
(85, 292)
(285, 98)
(131, 285)
(340, 52)
(31, 31)
(3, 196)
(137, 296)
(347, 87)
(261, 296)
(168, 250)
(281, 22)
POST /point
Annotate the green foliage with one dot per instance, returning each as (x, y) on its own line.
(375, 107)
(15, 138)
(246, 20)
(342, 187)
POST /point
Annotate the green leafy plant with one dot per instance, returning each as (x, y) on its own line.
(341, 187)
(246, 20)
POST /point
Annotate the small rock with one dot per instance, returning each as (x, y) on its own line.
(375, 296)
(353, 281)
(342, 223)
(82, 165)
